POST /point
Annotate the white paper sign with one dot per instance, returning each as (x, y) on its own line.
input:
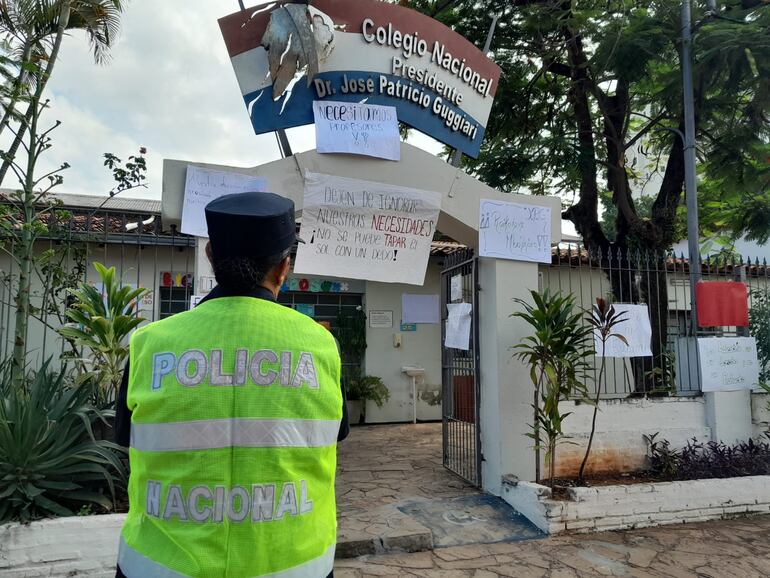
(635, 327)
(420, 309)
(203, 186)
(728, 363)
(363, 230)
(456, 288)
(458, 326)
(380, 319)
(362, 129)
(515, 231)
(195, 300)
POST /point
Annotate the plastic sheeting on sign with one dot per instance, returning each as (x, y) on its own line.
(515, 231)
(722, 304)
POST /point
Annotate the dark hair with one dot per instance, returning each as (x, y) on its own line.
(245, 274)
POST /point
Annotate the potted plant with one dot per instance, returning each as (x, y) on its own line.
(362, 388)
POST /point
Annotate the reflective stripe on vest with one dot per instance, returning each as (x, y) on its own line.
(135, 565)
(222, 433)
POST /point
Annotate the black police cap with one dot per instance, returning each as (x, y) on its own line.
(251, 225)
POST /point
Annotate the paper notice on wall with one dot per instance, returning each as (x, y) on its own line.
(195, 300)
(728, 363)
(420, 309)
(363, 230)
(456, 290)
(203, 186)
(458, 326)
(380, 319)
(515, 231)
(635, 328)
(362, 129)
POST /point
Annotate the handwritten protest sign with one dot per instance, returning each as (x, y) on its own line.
(728, 363)
(363, 129)
(635, 327)
(515, 231)
(203, 186)
(363, 230)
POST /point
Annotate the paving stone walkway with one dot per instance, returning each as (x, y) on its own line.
(380, 468)
(723, 549)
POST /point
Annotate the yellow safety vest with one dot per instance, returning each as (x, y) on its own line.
(236, 410)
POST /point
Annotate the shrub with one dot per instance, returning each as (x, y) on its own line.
(556, 354)
(102, 324)
(50, 462)
(699, 461)
(366, 387)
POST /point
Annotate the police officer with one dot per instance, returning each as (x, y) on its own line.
(233, 411)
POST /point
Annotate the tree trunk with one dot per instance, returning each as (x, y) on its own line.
(25, 252)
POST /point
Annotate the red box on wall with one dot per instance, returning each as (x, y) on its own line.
(722, 304)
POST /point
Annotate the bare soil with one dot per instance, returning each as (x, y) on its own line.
(562, 485)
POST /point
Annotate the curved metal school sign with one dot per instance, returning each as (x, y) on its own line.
(360, 50)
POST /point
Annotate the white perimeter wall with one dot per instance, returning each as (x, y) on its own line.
(760, 415)
(619, 444)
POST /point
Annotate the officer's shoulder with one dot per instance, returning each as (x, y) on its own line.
(162, 324)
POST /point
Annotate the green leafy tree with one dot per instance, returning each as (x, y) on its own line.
(33, 32)
(759, 327)
(585, 83)
(103, 320)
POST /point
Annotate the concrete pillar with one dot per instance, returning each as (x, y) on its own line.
(728, 414)
(506, 389)
(204, 275)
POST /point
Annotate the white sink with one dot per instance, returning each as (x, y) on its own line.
(413, 371)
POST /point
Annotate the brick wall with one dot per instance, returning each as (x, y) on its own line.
(639, 505)
(84, 546)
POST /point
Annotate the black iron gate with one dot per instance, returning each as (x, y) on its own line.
(460, 372)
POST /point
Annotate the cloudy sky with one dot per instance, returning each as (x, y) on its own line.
(169, 87)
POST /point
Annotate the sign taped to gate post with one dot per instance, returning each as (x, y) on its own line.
(515, 231)
(365, 230)
(728, 363)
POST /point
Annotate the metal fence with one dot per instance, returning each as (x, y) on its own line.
(143, 253)
(661, 281)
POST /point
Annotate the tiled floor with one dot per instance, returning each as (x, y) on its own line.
(381, 467)
(723, 549)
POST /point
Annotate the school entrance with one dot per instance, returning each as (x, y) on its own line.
(461, 386)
